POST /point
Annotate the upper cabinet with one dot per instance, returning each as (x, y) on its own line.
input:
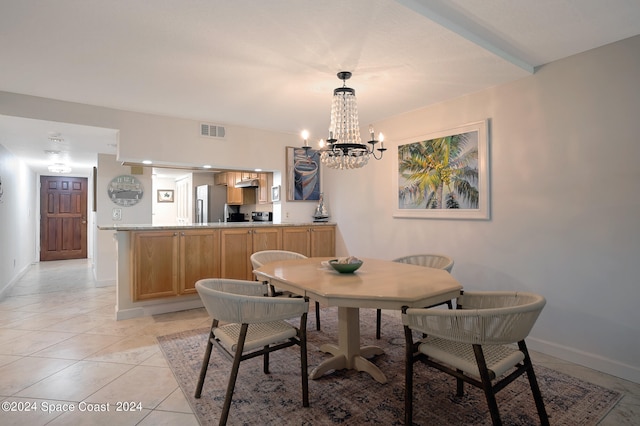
(240, 196)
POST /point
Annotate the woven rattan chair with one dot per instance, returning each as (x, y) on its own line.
(253, 326)
(438, 261)
(260, 258)
(474, 343)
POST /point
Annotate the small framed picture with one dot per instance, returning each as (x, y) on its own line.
(165, 195)
(275, 193)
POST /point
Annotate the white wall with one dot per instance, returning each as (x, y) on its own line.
(18, 212)
(565, 216)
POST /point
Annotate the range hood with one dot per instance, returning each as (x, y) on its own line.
(249, 183)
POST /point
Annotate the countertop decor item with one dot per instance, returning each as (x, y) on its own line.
(321, 214)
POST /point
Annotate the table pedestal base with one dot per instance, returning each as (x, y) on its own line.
(358, 362)
(348, 353)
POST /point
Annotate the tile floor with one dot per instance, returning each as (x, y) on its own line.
(62, 350)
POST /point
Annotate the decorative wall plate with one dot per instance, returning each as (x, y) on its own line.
(125, 190)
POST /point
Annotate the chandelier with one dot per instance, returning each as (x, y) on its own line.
(344, 148)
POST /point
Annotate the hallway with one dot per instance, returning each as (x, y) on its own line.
(60, 344)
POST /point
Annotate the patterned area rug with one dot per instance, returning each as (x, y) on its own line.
(350, 397)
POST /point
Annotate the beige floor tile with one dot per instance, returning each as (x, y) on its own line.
(100, 418)
(78, 347)
(28, 411)
(26, 371)
(156, 360)
(38, 321)
(76, 382)
(77, 324)
(7, 335)
(33, 341)
(8, 317)
(176, 402)
(165, 418)
(6, 359)
(148, 385)
(128, 327)
(131, 350)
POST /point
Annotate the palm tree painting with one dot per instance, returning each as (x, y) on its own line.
(439, 173)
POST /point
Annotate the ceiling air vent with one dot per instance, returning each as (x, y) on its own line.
(211, 130)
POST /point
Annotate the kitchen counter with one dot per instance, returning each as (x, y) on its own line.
(214, 225)
(158, 265)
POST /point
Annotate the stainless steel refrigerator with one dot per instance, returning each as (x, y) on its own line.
(210, 201)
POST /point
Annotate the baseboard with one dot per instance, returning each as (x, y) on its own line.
(106, 283)
(157, 309)
(586, 359)
(5, 290)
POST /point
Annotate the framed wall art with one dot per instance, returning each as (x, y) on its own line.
(165, 195)
(275, 193)
(303, 174)
(444, 175)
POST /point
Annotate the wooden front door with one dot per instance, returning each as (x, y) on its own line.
(63, 218)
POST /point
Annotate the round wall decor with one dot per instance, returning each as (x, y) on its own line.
(125, 190)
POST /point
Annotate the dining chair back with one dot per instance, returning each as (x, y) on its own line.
(263, 257)
(475, 344)
(438, 261)
(247, 324)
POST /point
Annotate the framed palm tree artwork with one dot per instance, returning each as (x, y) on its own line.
(444, 175)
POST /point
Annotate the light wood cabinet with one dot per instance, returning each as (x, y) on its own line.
(239, 196)
(312, 241)
(155, 264)
(199, 257)
(168, 263)
(264, 190)
(237, 246)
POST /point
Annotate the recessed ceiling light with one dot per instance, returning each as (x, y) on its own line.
(59, 168)
(206, 166)
(147, 162)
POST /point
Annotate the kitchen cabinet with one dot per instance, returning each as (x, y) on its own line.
(168, 263)
(238, 196)
(155, 264)
(264, 190)
(312, 241)
(199, 257)
(237, 246)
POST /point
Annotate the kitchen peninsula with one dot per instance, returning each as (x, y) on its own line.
(158, 265)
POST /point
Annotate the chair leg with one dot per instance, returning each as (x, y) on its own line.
(533, 382)
(378, 322)
(265, 360)
(487, 386)
(234, 375)
(459, 385)
(205, 361)
(304, 366)
(317, 316)
(408, 377)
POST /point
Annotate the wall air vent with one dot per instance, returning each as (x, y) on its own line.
(211, 130)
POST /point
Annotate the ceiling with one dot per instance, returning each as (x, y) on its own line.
(273, 65)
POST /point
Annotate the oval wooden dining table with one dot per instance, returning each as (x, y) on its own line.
(377, 284)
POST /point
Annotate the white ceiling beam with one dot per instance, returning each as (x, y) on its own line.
(435, 12)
